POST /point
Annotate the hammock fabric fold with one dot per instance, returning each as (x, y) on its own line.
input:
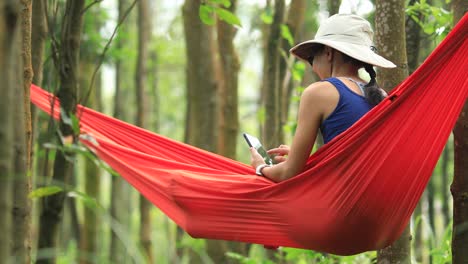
(356, 194)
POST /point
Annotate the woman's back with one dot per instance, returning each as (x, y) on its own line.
(349, 106)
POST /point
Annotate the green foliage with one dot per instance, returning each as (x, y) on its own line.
(286, 34)
(435, 21)
(208, 10)
(267, 16)
(442, 253)
(44, 191)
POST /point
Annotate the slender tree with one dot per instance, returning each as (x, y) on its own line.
(202, 94)
(294, 22)
(9, 58)
(446, 160)
(22, 184)
(459, 186)
(201, 82)
(92, 177)
(272, 87)
(144, 35)
(121, 190)
(390, 42)
(228, 88)
(68, 59)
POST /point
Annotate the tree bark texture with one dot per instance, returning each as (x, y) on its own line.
(144, 33)
(23, 140)
(459, 187)
(413, 39)
(228, 88)
(201, 83)
(38, 37)
(272, 133)
(202, 94)
(9, 57)
(390, 42)
(52, 208)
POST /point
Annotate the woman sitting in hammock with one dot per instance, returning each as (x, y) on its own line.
(342, 45)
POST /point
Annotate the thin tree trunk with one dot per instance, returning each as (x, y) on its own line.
(228, 88)
(459, 186)
(144, 33)
(23, 137)
(201, 82)
(295, 20)
(390, 42)
(202, 97)
(413, 40)
(52, 207)
(121, 190)
(333, 7)
(9, 56)
(89, 229)
(445, 184)
(273, 131)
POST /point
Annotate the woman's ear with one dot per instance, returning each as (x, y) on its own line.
(328, 53)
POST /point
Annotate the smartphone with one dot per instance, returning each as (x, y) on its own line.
(255, 142)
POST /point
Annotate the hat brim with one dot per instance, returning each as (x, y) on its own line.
(362, 53)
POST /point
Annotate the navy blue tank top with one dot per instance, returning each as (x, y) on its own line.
(350, 108)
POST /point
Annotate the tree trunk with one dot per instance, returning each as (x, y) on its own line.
(202, 95)
(9, 58)
(413, 39)
(390, 42)
(52, 207)
(333, 7)
(144, 36)
(445, 184)
(228, 88)
(23, 137)
(459, 186)
(273, 131)
(295, 21)
(121, 190)
(92, 181)
(201, 83)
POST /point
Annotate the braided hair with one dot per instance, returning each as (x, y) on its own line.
(373, 93)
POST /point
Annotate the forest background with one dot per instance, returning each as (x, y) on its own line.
(201, 72)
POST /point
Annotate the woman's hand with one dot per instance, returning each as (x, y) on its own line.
(279, 153)
(256, 159)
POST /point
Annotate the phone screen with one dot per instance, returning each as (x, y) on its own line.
(255, 142)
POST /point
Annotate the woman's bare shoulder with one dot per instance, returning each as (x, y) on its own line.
(319, 91)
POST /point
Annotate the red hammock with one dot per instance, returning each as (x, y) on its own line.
(356, 194)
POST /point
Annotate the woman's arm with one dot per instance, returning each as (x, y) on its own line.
(313, 100)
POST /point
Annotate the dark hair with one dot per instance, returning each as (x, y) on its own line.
(372, 91)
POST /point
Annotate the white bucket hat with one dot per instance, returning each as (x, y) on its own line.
(349, 34)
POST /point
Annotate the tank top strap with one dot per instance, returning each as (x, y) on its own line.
(340, 86)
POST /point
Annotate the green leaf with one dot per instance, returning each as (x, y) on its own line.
(286, 34)
(225, 3)
(75, 124)
(206, 14)
(298, 70)
(87, 200)
(267, 17)
(44, 191)
(228, 16)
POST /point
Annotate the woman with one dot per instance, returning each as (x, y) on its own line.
(342, 45)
